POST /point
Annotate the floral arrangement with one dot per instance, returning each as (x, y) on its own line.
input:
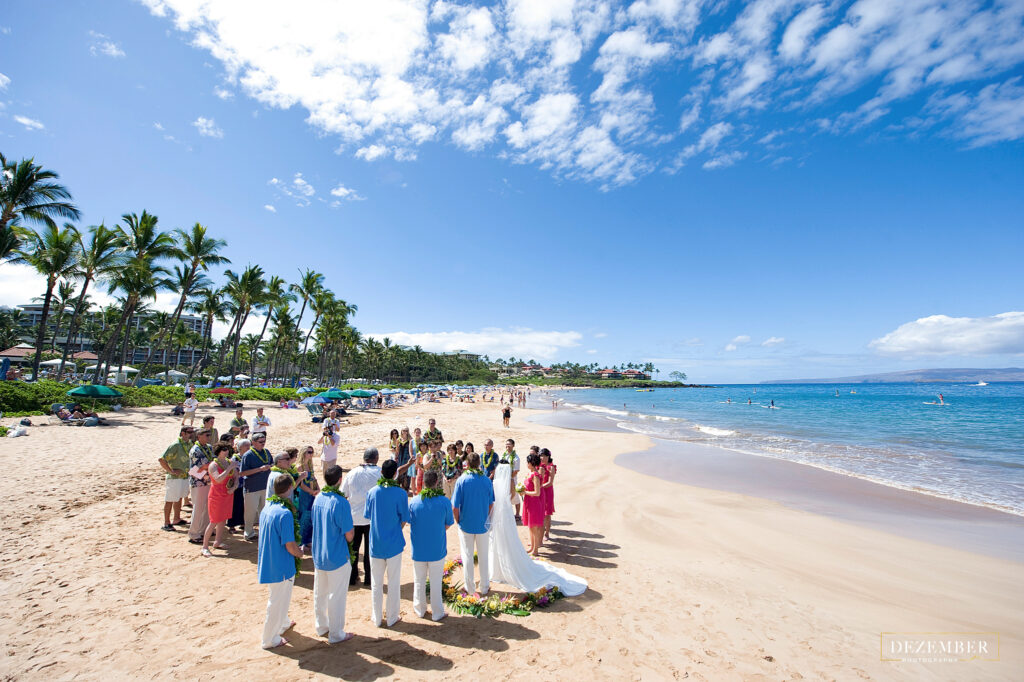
(492, 605)
(521, 489)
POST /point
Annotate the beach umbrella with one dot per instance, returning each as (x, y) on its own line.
(126, 369)
(225, 390)
(362, 393)
(314, 399)
(50, 363)
(306, 389)
(335, 394)
(94, 391)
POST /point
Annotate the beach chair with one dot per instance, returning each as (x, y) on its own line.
(316, 412)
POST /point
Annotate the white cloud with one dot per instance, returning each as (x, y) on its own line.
(592, 351)
(102, 45)
(737, 342)
(600, 335)
(270, 208)
(223, 93)
(346, 193)
(158, 126)
(207, 127)
(944, 335)
(299, 190)
(569, 85)
(773, 341)
(493, 341)
(29, 123)
(4, 81)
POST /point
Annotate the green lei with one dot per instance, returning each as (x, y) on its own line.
(328, 489)
(260, 454)
(290, 506)
(512, 457)
(427, 493)
(488, 460)
(386, 482)
(476, 472)
(293, 472)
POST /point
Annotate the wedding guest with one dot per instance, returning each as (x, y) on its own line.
(513, 460)
(467, 451)
(451, 468)
(199, 483)
(174, 462)
(430, 516)
(471, 504)
(432, 434)
(489, 458)
(393, 444)
(387, 507)
(404, 457)
(237, 519)
(276, 561)
(308, 488)
(223, 481)
(283, 462)
(329, 440)
(332, 531)
(256, 465)
(208, 424)
(355, 486)
(260, 422)
(533, 504)
(190, 406)
(238, 422)
(548, 464)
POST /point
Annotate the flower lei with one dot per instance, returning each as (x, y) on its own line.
(290, 506)
(329, 489)
(427, 493)
(492, 605)
(386, 482)
(476, 472)
(293, 472)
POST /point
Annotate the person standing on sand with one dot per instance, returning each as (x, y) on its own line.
(330, 441)
(174, 462)
(242, 446)
(260, 422)
(238, 422)
(214, 436)
(513, 461)
(471, 505)
(355, 487)
(190, 406)
(199, 480)
(451, 467)
(489, 458)
(276, 561)
(533, 512)
(548, 494)
(387, 507)
(430, 516)
(256, 465)
(224, 480)
(332, 531)
(433, 435)
(506, 414)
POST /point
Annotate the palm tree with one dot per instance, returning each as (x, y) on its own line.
(211, 305)
(245, 291)
(275, 293)
(197, 253)
(28, 192)
(65, 297)
(140, 280)
(97, 261)
(323, 299)
(9, 243)
(51, 252)
(309, 283)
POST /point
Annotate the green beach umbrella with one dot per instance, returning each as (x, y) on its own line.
(363, 393)
(94, 391)
(335, 394)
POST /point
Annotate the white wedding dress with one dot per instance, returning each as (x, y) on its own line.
(509, 562)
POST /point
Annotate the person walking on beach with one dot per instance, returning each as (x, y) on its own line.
(190, 406)
(355, 487)
(199, 482)
(430, 516)
(506, 414)
(223, 481)
(256, 465)
(332, 531)
(387, 507)
(174, 462)
(471, 505)
(277, 559)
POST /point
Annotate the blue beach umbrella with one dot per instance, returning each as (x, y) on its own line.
(314, 400)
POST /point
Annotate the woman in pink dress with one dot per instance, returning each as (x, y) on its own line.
(223, 481)
(533, 503)
(548, 494)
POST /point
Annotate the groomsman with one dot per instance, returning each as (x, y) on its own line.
(471, 503)
(387, 507)
(275, 565)
(430, 516)
(332, 531)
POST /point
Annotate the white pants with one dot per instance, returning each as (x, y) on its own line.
(330, 592)
(394, 569)
(424, 570)
(253, 506)
(277, 612)
(470, 542)
(200, 515)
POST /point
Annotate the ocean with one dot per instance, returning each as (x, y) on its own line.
(970, 450)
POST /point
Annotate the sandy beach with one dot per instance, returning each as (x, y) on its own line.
(685, 582)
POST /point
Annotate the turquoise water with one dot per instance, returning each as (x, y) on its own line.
(970, 450)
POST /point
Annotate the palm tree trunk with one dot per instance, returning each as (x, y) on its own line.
(72, 328)
(238, 342)
(207, 337)
(41, 333)
(256, 350)
(223, 347)
(108, 348)
(173, 324)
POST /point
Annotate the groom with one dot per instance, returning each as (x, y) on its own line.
(471, 505)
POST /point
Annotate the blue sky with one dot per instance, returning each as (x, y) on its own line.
(744, 191)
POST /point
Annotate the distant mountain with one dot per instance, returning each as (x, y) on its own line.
(918, 375)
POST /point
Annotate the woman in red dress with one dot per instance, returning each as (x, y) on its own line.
(548, 494)
(533, 503)
(224, 479)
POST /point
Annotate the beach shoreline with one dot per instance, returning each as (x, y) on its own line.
(684, 581)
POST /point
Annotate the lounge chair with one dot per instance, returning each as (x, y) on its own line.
(316, 412)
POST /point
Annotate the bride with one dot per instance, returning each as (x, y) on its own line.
(509, 562)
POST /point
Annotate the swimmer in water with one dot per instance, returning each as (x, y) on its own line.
(748, 402)
(941, 401)
(728, 400)
(773, 403)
